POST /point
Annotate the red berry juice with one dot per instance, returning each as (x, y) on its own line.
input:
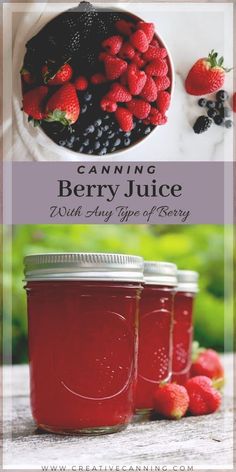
(83, 330)
(183, 325)
(155, 332)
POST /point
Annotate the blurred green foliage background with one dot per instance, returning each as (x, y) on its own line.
(198, 247)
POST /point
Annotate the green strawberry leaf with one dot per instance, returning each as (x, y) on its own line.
(34, 122)
(58, 115)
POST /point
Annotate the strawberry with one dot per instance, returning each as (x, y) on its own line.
(154, 53)
(139, 40)
(27, 76)
(148, 28)
(171, 401)
(118, 93)
(63, 106)
(155, 118)
(114, 67)
(203, 398)
(127, 51)
(138, 60)
(207, 362)
(108, 105)
(113, 44)
(81, 83)
(162, 83)
(149, 91)
(139, 108)
(125, 27)
(125, 119)
(163, 101)
(33, 103)
(206, 76)
(62, 76)
(98, 79)
(157, 68)
(136, 79)
(234, 102)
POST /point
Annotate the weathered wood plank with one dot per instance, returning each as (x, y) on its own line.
(200, 442)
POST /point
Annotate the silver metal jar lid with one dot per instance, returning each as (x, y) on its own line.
(187, 281)
(83, 266)
(160, 273)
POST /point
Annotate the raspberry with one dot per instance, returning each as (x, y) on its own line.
(81, 83)
(127, 51)
(156, 118)
(155, 43)
(139, 41)
(154, 53)
(171, 401)
(162, 83)
(118, 93)
(114, 67)
(139, 108)
(234, 102)
(148, 28)
(138, 60)
(136, 79)
(124, 27)
(203, 398)
(149, 91)
(163, 101)
(113, 44)
(98, 79)
(125, 119)
(103, 56)
(108, 105)
(157, 68)
(124, 79)
(207, 363)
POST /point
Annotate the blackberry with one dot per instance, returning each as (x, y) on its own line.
(210, 104)
(202, 102)
(222, 96)
(85, 7)
(69, 21)
(218, 120)
(228, 123)
(202, 124)
(212, 112)
(72, 43)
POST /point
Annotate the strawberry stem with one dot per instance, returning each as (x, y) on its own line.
(58, 115)
(214, 61)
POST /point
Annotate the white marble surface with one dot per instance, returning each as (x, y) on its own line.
(190, 31)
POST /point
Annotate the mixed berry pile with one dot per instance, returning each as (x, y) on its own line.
(96, 81)
(218, 111)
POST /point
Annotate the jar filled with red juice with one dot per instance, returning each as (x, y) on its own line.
(83, 332)
(183, 324)
(155, 332)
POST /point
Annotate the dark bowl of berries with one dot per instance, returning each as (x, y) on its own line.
(95, 82)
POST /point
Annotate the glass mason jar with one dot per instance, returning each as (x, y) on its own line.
(183, 324)
(155, 332)
(83, 331)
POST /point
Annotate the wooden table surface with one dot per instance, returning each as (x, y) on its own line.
(204, 442)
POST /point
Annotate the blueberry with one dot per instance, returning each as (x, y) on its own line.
(222, 96)
(87, 96)
(202, 102)
(210, 104)
(98, 122)
(225, 112)
(106, 143)
(147, 130)
(89, 151)
(111, 135)
(117, 142)
(99, 133)
(113, 149)
(218, 120)
(102, 151)
(97, 145)
(127, 134)
(86, 142)
(105, 128)
(84, 109)
(127, 142)
(81, 149)
(89, 130)
(228, 123)
(106, 117)
(212, 112)
(219, 105)
(62, 142)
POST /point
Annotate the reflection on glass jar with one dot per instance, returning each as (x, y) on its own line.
(183, 325)
(83, 315)
(155, 330)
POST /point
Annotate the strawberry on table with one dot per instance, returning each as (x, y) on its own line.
(203, 398)
(207, 362)
(63, 106)
(62, 76)
(171, 401)
(206, 76)
(33, 103)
